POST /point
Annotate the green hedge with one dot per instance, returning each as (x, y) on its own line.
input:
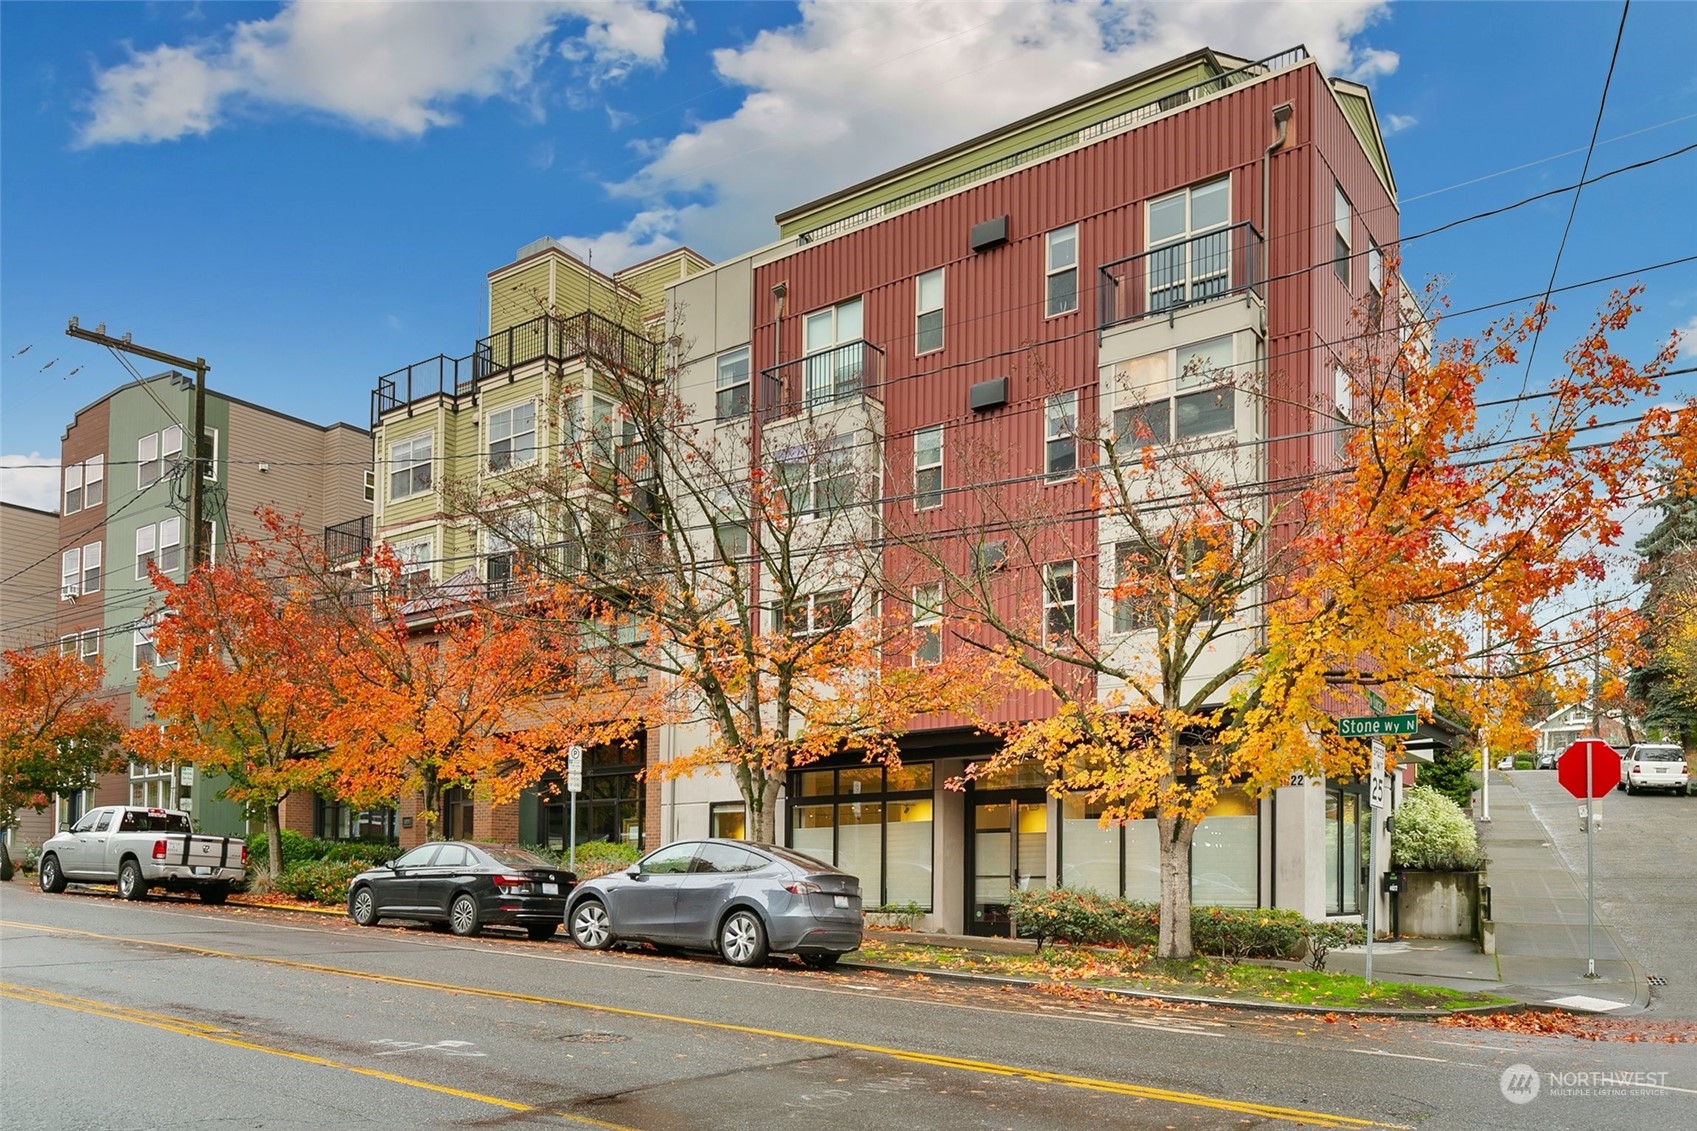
(301, 849)
(1087, 918)
(325, 881)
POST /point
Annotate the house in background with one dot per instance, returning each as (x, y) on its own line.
(29, 613)
(1566, 726)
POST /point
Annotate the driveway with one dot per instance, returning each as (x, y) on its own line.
(1645, 857)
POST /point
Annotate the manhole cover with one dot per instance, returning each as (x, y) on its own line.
(1656, 980)
(595, 1038)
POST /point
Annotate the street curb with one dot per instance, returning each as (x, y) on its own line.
(1186, 999)
(311, 908)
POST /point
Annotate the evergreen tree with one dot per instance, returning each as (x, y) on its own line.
(1670, 569)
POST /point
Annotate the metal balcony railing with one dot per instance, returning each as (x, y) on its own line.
(548, 338)
(849, 372)
(1179, 274)
(635, 461)
(347, 541)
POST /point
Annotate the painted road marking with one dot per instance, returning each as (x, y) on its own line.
(914, 1056)
(188, 1028)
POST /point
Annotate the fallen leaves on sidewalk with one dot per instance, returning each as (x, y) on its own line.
(1540, 1023)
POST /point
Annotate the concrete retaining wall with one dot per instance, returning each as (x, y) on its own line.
(1439, 905)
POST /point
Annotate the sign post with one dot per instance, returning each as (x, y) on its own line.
(1589, 769)
(1376, 796)
(574, 786)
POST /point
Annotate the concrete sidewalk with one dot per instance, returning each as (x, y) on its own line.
(1537, 925)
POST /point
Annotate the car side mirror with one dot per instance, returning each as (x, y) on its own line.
(389, 864)
(634, 871)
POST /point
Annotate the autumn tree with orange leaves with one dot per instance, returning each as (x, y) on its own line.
(1203, 619)
(246, 692)
(731, 568)
(56, 733)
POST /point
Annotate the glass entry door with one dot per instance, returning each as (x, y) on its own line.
(1010, 851)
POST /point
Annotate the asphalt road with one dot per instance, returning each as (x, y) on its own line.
(1645, 855)
(169, 1014)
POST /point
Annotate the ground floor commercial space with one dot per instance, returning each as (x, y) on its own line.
(923, 839)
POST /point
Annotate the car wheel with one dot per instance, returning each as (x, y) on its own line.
(1631, 789)
(216, 894)
(130, 883)
(592, 928)
(1621, 786)
(362, 906)
(462, 916)
(52, 879)
(541, 932)
(821, 960)
(742, 939)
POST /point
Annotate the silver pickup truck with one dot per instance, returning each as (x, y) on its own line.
(138, 848)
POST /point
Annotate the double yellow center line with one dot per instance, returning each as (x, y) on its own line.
(910, 1056)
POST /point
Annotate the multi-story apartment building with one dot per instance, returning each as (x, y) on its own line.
(124, 504)
(1187, 249)
(29, 610)
(451, 430)
(1211, 215)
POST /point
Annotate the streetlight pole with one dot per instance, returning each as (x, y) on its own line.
(197, 424)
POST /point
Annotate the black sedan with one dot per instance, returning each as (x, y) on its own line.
(465, 887)
(742, 900)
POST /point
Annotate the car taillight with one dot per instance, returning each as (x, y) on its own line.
(159, 850)
(511, 885)
(1637, 767)
(244, 854)
(803, 887)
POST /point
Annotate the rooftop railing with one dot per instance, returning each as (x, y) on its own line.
(547, 338)
(347, 541)
(849, 372)
(1179, 274)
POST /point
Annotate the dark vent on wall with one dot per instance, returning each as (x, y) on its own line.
(987, 234)
(987, 394)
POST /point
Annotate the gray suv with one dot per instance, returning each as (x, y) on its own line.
(741, 900)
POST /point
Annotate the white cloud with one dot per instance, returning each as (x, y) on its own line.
(1396, 123)
(391, 67)
(30, 481)
(1688, 338)
(854, 89)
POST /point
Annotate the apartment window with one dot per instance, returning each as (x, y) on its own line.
(817, 612)
(1184, 393)
(156, 452)
(1375, 269)
(1060, 271)
(91, 556)
(88, 645)
(161, 544)
(503, 547)
(512, 435)
(68, 644)
(371, 486)
(728, 820)
(1137, 591)
(1189, 246)
(414, 560)
(928, 312)
(409, 467)
(209, 455)
(70, 573)
(835, 362)
(819, 481)
(1341, 234)
(85, 484)
(1060, 602)
(928, 468)
(142, 652)
(928, 623)
(1060, 435)
(730, 384)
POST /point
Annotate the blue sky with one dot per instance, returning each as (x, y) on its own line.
(311, 196)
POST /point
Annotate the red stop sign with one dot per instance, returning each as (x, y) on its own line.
(1604, 768)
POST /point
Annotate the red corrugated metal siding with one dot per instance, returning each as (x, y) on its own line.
(994, 322)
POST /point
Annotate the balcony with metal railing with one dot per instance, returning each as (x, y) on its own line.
(347, 541)
(848, 374)
(545, 339)
(1181, 274)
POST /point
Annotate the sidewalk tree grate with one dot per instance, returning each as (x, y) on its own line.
(1656, 979)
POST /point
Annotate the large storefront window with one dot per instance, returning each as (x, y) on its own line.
(1346, 848)
(610, 807)
(333, 820)
(871, 821)
(1225, 856)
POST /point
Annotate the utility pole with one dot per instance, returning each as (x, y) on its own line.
(197, 423)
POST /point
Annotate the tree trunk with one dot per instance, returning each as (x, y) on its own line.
(432, 796)
(5, 859)
(274, 837)
(764, 810)
(1174, 836)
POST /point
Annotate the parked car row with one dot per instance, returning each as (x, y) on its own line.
(1654, 765)
(743, 901)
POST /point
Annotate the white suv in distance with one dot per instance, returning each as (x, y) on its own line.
(1652, 765)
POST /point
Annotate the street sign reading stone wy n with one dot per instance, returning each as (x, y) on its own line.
(1604, 769)
(1373, 726)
